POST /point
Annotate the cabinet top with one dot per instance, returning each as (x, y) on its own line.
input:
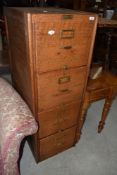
(47, 10)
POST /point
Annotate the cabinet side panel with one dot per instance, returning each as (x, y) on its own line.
(19, 27)
(19, 53)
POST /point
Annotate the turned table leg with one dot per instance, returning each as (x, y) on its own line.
(108, 101)
(106, 108)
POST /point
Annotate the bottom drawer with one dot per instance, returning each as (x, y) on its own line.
(57, 143)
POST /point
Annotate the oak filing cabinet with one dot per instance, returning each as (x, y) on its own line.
(50, 52)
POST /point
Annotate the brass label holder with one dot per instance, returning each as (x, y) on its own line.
(64, 79)
(67, 17)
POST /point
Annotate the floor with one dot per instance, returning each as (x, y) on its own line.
(95, 154)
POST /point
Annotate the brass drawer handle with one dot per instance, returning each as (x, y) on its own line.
(64, 90)
(66, 47)
(64, 79)
(67, 33)
(66, 17)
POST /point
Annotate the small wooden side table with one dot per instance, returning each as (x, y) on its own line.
(104, 87)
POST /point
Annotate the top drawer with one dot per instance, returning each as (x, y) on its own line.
(62, 42)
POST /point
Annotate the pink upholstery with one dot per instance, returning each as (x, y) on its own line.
(16, 122)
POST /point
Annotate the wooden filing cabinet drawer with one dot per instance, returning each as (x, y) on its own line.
(63, 42)
(57, 143)
(58, 22)
(66, 53)
(58, 87)
(62, 117)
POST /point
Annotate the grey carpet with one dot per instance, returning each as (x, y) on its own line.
(95, 154)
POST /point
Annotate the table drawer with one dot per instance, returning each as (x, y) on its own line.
(57, 143)
(98, 94)
(59, 118)
(59, 87)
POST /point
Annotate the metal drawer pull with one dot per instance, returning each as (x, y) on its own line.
(64, 79)
(64, 90)
(66, 47)
(67, 33)
(66, 17)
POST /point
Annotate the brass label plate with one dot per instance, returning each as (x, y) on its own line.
(64, 79)
(67, 17)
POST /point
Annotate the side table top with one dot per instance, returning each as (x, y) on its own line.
(104, 22)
